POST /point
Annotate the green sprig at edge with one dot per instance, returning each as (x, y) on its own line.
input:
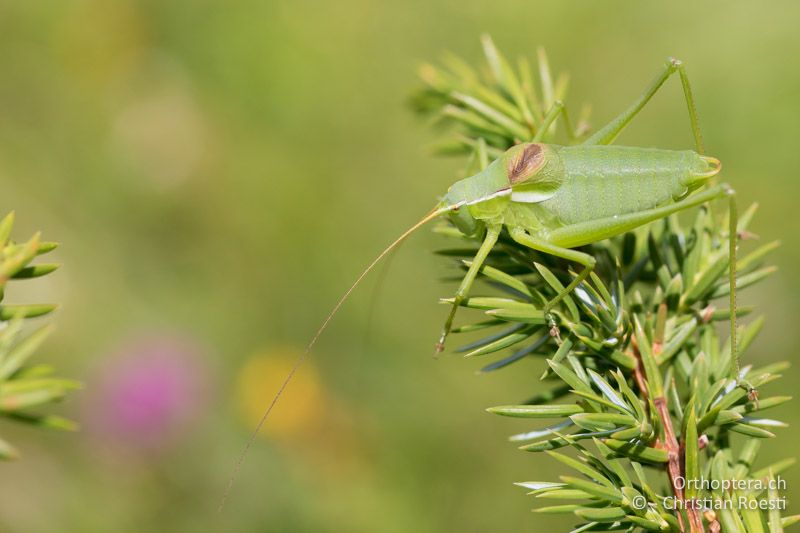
(26, 388)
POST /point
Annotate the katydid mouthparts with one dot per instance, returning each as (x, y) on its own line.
(554, 199)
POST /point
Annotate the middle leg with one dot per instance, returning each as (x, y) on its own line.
(524, 238)
(558, 108)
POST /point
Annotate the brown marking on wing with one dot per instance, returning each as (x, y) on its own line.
(525, 163)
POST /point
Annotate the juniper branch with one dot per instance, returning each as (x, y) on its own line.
(642, 373)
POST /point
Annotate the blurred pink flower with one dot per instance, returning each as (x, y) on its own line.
(147, 395)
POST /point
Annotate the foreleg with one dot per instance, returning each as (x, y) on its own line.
(492, 233)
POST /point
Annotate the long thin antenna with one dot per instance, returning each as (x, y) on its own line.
(302, 357)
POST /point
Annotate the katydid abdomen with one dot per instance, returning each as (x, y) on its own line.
(603, 181)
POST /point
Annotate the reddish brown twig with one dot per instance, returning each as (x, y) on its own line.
(675, 451)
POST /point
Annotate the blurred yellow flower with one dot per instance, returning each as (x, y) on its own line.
(302, 407)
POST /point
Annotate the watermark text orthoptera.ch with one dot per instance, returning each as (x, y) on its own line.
(726, 485)
(720, 494)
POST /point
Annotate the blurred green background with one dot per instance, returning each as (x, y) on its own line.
(218, 173)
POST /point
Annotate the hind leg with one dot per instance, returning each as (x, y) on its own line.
(608, 133)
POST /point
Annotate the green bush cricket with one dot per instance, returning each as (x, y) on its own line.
(554, 199)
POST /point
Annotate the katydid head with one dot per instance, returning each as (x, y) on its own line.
(475, 198)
